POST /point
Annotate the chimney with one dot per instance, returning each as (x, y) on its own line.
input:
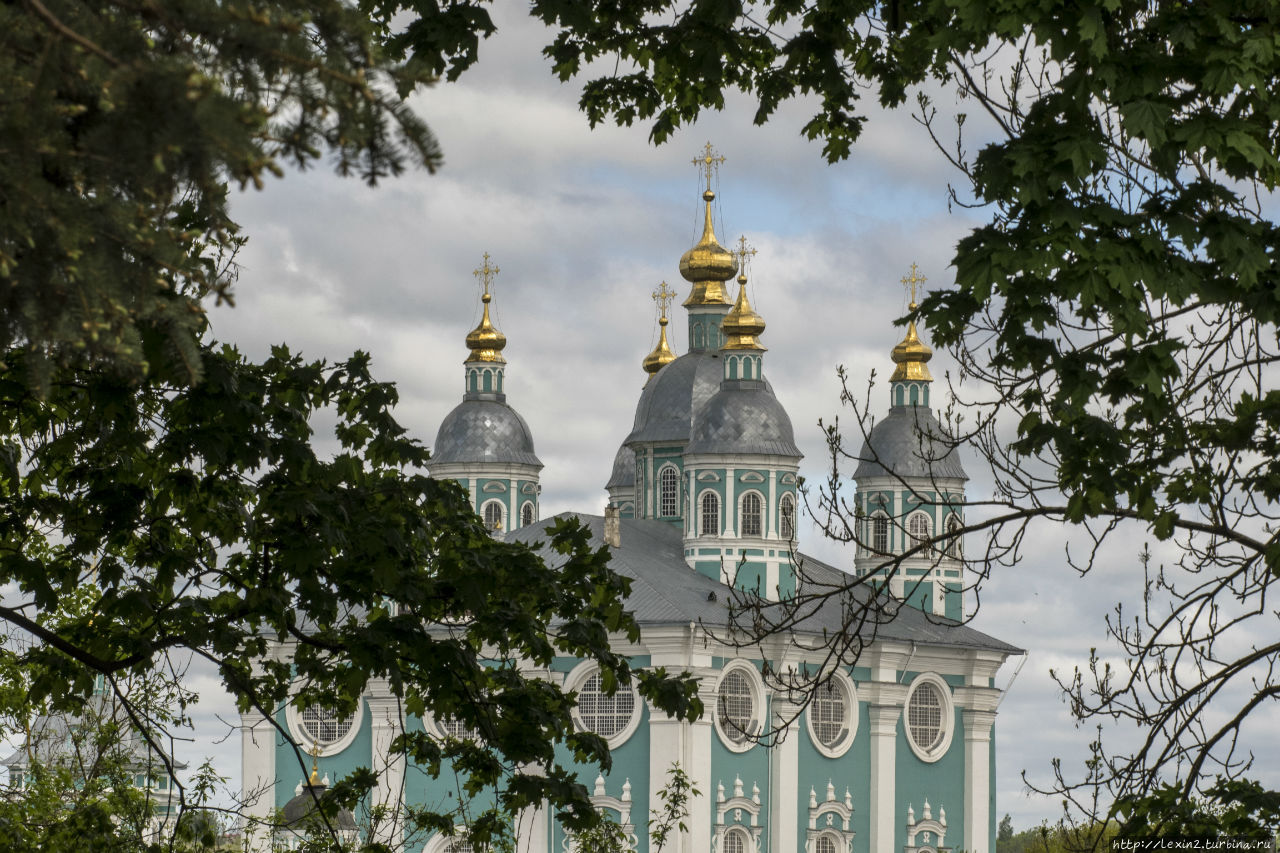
(612, 527)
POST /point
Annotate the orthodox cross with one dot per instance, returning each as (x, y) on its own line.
(911, 282)
(744, 254)
(709, 162)
(486, 273)
(663, 296)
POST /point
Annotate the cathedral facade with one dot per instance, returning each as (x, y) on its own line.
(893, 751)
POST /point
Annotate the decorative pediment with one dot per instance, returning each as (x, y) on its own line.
(708, 477)
(529, 489)
(494, 486)
(830, 818)
(738, 814)
(926, 835)
(751, 477)
(787, 479)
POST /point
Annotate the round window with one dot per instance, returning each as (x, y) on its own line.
(324, 727)
(928, 717)
(607, 716)
(736, 707)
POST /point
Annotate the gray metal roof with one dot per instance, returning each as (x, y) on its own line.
(483, 428)
(743, 417)
(909, 442)
(665, 591)
(666, 407)
(49, 741)
(624, 469)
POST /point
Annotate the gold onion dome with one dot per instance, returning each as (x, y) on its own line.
(742, 325)
(484, 341)
(910, 356)
(662, 354)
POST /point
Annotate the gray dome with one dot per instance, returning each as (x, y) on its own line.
(669, 400)
(301, 806)
(624, 469)
(743, 417)
(484, 430)
(909, 443)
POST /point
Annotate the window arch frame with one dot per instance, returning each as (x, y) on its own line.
(915, 518)
(879, 538)
(756, 515)
(955, 541)
(787, 517)
(709, 523)
(748, 844)
(494, 504)
(528, 515)
(668, 491)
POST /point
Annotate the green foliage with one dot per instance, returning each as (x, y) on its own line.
(206, 520)
(123, 124)
(1228, 808)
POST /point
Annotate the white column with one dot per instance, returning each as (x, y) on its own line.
(977, 779)
(387, 723)
(771, 510)
(784, 779)
(258, 776)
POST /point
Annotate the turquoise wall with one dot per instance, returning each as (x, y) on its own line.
(290, 773)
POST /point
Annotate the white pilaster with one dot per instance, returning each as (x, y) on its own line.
(977, 779)
(884, 707)
(258, 776)
(386, 722)
(784, 779)
(730, 505)
(771, 509)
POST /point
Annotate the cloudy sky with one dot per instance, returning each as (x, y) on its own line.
(584, 225)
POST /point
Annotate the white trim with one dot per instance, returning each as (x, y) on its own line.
(574, 682)
(720, 521)
(841, 678)
(948, 717)
(756, 685)
(708, 477)
(751, 477)
(669, 466)
(533, 513)
(440, 843)
(293, 717)
(494, 487)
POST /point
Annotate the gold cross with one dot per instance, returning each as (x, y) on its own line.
(912, 282)
(486, 273)
(744, 254)
(708, 162)
(663, 296)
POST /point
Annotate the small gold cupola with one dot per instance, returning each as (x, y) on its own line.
(708, 264)
(485, 341)
(742, 326)
(662, 354)
(912, 354)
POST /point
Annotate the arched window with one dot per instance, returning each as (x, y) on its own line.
(735, 841)
(824, 844)
(918, 526)
(751, 515)
(668, 492)
(955, 543)
(787, 518)
(493, 515)
(710, 514)
(880, 533)
(526, 515)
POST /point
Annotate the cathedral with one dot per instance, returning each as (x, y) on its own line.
(894, 751)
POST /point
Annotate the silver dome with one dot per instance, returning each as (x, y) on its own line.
(909, 442)
(668, 402)
(743, 417)
(624, 470)
(484, 430)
